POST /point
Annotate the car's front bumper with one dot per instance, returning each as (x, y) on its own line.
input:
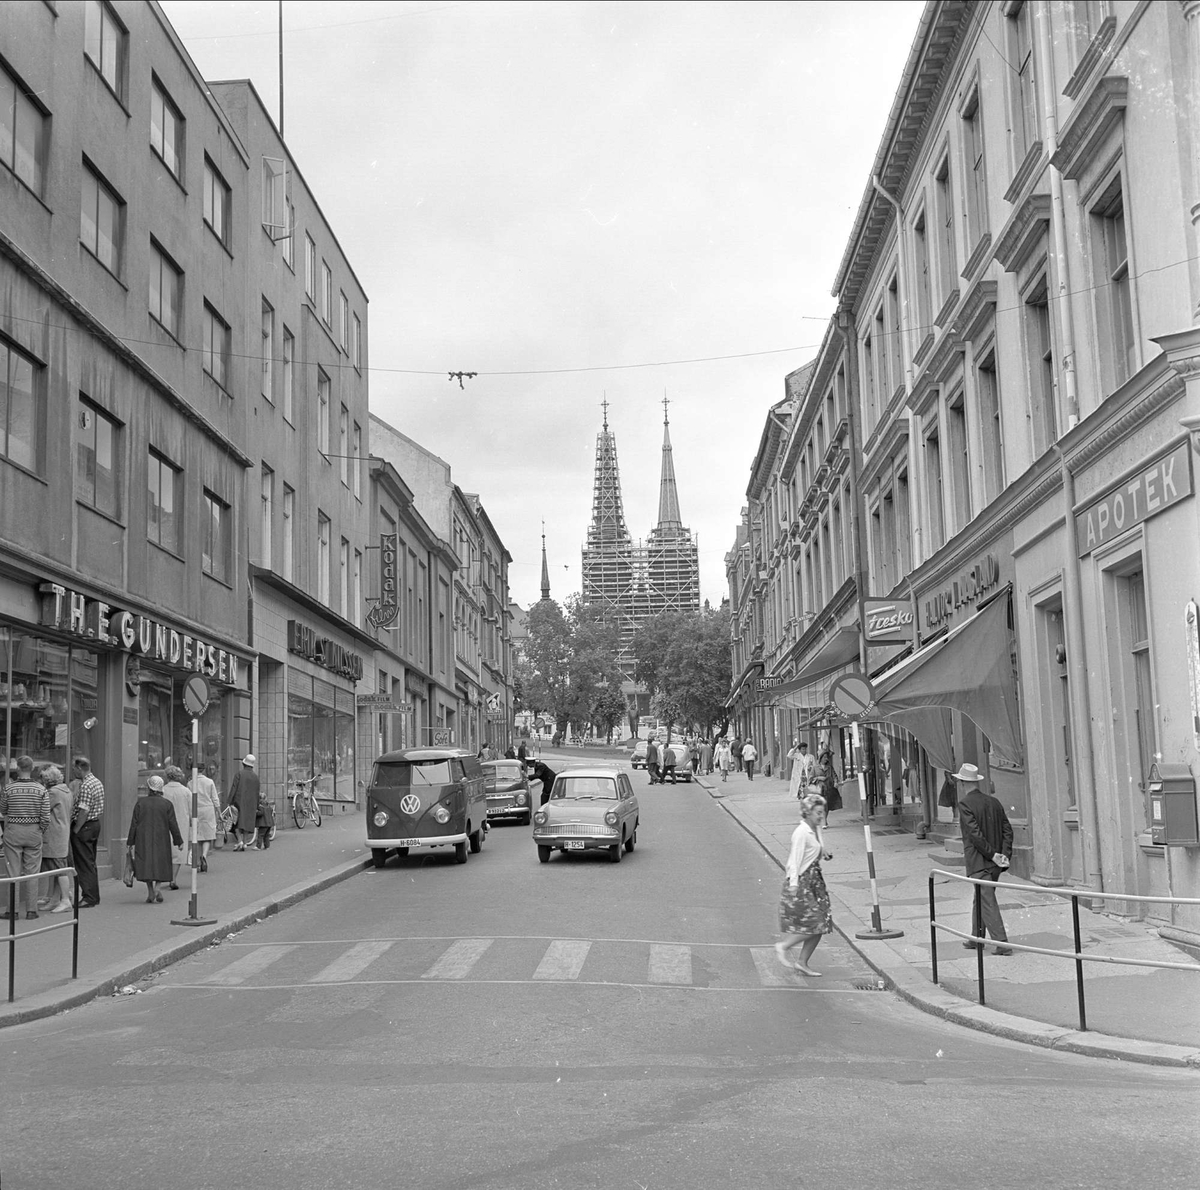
(565, 841)
(418, 841)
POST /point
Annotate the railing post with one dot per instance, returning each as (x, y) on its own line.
(977, 934)
(932, 929)
(12, 942)
(75, 928)
(1078, 962)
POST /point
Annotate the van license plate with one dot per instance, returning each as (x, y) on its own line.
(409, 843)
(573, 845)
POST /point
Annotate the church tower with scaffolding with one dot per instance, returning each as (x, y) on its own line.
(632, 581)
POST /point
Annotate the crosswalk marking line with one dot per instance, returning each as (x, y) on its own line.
(256, 962)
(355, 960)
(458, 959)
(562, 960)
(770, 972)
(670, 963)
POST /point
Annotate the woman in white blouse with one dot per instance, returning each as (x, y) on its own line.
(804, 914)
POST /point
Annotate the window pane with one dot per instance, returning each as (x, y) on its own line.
(29, 129)
(107, 229)
(153, 500)
(91, 33)
(168, 531)
(8, 98)
(85, 459)
(22, 414)
(87, 216)
(104, 459)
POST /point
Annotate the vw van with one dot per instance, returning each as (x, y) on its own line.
(426, 797)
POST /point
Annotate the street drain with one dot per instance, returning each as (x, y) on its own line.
(863, 985)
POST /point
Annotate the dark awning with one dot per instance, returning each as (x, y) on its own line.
(838, 650)
(968, 670)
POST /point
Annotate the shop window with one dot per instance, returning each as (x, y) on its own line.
(23, 137)
(321, 736)
(98, 460)
(165, 730)
(105, 43)
(215, 533)
(21, 412)
(163, 506)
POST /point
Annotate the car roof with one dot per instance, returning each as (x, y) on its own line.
(501, 760)
(590, 770)
(422, 754)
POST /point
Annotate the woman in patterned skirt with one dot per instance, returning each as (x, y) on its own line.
(804, 914)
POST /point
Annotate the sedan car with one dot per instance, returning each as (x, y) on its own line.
(638, 759)
(508, 792)
(590, 808)
(683, 759)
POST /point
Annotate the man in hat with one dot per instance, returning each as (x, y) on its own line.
(987, 837)
(243, 794)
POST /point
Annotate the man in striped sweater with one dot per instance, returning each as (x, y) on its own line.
(25, 808)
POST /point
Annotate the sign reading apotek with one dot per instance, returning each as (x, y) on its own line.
(1166, 481)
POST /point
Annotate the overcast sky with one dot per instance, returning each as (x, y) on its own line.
(574, 201)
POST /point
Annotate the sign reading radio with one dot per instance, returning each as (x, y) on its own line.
(69, 611)
(1167, 480)
(387, 608)
(965, 589)
(768, 683)
(322, 651)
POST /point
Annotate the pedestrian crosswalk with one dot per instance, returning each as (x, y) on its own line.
(594, 962)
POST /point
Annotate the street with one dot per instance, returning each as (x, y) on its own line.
(510, 1024)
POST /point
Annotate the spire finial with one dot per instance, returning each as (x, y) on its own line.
(666, 419)
(545, 568)
(604, 406)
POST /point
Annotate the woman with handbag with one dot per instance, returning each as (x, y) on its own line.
(152, 830)
(804, 913)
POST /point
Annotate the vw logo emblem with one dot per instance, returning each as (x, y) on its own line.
(410, 804)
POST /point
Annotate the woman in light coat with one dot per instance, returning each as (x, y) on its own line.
(208, 810)
(178, 794)
(804, 914)
(723, 757)
(56, 839)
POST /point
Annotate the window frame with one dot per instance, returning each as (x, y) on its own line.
(24, 99)
(215, 185)
(119, 35)
(356, 343)
(310, 268)
(1022, 75)
(36, 416)
(991, 422)
(289, 376)
(943, 195)
(344, 445)
(324, 531)
(268, 351)
(90, 174)
(208, 352)
(288, 561)
(160, 95)
(974, 153)
(324, 398)
(326, 295)
(98, 416)
(958, 431)
(160, 255)
(266, 515)
(159, 464)
(1114, 290)
(215, 509)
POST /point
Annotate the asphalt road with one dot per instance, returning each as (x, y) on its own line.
(509, 1024)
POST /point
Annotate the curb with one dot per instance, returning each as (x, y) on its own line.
(147, 962)
(914, 989)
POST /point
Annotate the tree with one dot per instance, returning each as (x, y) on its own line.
(684, 660)
(547, 684)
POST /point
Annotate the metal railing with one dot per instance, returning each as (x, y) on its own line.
(1074, 894)
(14, 937)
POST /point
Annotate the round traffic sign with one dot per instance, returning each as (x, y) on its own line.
(852, 694)
(195, 695)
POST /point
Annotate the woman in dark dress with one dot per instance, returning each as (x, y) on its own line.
(152, 830)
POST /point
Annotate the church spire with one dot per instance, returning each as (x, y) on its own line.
(669, 520)
(545, 568)
(608, 516)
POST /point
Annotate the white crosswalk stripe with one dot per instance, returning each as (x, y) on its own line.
(457, 961)
(355, 961)
(770, 971)
(562, 960)
(255, 963)
(670, 964)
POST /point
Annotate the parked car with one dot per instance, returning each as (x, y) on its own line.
(426, 797)
(683, 759)
(508, 792)
(591, 808)
(638, 759)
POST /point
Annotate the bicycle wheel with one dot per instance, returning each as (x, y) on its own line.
(299, 814)
(314, 808)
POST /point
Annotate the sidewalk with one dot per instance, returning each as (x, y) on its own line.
(123, 939)
(1137, 1014)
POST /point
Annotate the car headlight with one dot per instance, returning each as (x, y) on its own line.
(611, 818)
(539, 818)
(441, 815)
(380, 818)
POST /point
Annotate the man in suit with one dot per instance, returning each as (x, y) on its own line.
(987, 837)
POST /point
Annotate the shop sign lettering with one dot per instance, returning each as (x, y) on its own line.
(94, 620)
(320, 650)
(963, 591)
(887, 622)
(1166, 481)
(387, 608)
(768, 683)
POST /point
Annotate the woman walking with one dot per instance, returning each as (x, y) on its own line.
(723, 757)
(180, 797)
(152, 830)
(56, 839)
(804, 914)
(749, 756)
(208, 810)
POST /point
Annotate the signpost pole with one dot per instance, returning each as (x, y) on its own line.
(195, 698)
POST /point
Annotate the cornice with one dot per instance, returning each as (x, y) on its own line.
(974, 309)
(980, 253)
(1029, 222)
(1034, 163)
(1091, 57)
(1090, 123)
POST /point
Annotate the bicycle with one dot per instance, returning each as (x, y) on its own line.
(304, 803)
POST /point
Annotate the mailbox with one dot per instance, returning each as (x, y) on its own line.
(1173, 817)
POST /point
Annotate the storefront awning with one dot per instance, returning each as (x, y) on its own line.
(840, 649)
(969, 670)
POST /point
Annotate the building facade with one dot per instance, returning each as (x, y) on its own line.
(1019, 330)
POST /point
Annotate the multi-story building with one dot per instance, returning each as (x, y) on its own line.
(1019, 333)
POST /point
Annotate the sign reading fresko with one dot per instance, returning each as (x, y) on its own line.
(320, 650)
(965, 589)
(888, 621)
(1164, 481)
(387, 609)
(95, 620)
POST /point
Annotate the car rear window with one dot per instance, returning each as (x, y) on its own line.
(504, 770)
(404, 773)
(586, 787)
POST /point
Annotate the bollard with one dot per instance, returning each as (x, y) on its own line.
(876, 931)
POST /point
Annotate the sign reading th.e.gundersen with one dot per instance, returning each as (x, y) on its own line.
(1163, 482)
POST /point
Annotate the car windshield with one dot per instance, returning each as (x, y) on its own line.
(413, 772)
(503, 770)
(586, 788)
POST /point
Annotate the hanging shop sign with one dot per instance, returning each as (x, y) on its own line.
(382, 704)
(101, 623)
(414, 684)
(963, 591)
(761, 684)
(887, 621)
(320, 650)
(1165, 481)
(387, 608)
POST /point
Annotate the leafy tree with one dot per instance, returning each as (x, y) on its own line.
(684, 660)
(547, 683)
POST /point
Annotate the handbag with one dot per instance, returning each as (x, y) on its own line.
(128, 876)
